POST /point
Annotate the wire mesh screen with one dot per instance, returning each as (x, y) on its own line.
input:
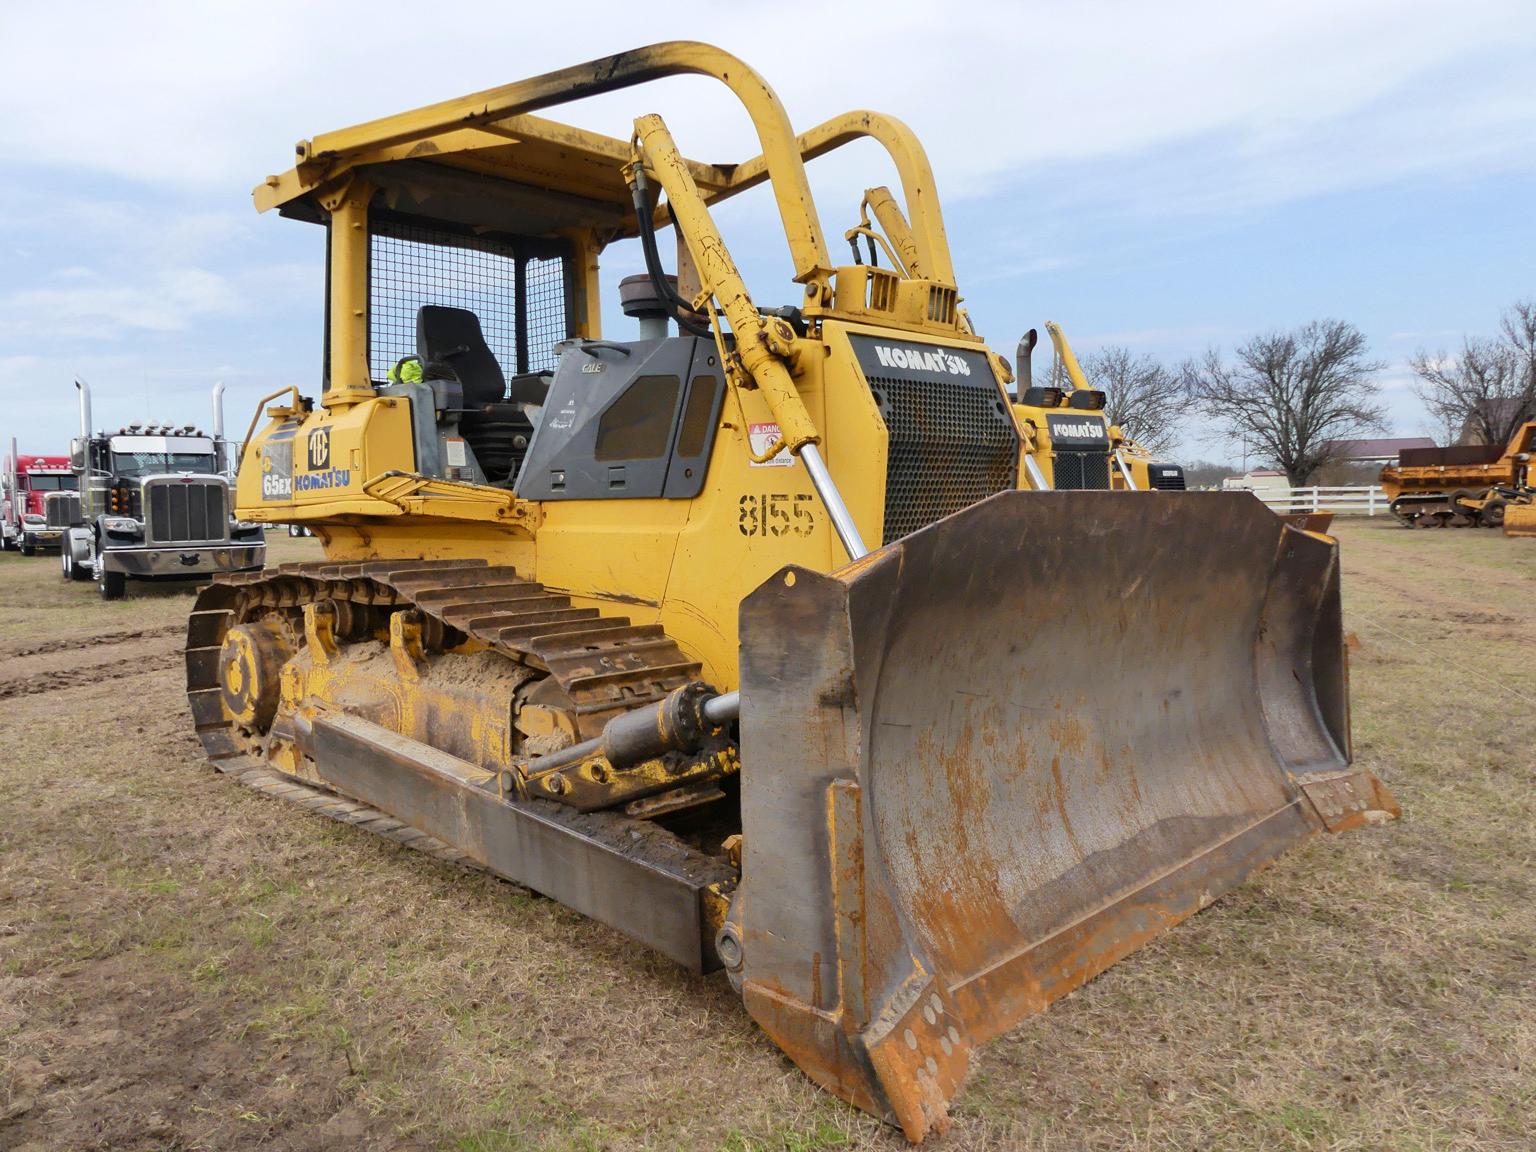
(949, 446)
(519, 299)
(544, 297)
(1077, 471)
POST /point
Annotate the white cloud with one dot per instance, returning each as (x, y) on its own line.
(166, 300)
(1292, 96)
(139, 129)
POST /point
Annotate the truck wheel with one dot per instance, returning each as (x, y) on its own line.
(27, 547)
(111, 584)
(78, 571)
(67, 569)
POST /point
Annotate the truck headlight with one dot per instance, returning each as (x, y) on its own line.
(122, 525)
(32, 518)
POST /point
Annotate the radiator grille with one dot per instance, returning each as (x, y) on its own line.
(950, 445)
(62, 509)
(1077, 471)
(1168, 480)
(182, 512)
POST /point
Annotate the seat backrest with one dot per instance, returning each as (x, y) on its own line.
(450, 340)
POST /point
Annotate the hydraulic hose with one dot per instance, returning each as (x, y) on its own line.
(664, 290)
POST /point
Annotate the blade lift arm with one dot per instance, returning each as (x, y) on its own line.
(1066, 359)
(762, 343)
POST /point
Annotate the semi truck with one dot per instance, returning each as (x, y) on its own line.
(153, 503)
(27, 481)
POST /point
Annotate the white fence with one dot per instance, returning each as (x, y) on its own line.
(1366, 500)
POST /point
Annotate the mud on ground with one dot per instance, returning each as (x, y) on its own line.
(187, 964)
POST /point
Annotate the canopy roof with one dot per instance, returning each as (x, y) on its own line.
(486, 161)
(548, 176)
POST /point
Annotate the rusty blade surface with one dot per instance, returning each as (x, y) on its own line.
(989, 760)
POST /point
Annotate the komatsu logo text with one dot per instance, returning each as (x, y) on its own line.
(935, 360)
(316, 481)
(1087, 430)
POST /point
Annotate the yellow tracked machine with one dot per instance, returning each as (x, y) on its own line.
(1466, 485)
(746, 635)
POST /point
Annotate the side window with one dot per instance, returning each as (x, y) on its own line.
(638, 424)
(697, 417)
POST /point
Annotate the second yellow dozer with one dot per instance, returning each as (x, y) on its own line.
(1071, 444)
(747, 635)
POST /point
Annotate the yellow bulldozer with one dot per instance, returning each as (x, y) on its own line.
(1069, 442)
(745, 631)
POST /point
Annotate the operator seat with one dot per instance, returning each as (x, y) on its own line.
(452, 347)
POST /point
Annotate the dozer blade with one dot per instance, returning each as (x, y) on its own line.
(986, 762)
(1520, 520)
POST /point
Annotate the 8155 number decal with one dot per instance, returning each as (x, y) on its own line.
(777, 514)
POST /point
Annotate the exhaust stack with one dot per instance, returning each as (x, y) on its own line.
(85, 408)
(223, 457)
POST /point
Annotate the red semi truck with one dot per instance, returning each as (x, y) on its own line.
(24, 486)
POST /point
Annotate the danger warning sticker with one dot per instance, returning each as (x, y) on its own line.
(761, 437)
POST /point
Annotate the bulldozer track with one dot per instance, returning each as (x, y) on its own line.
(605, 664)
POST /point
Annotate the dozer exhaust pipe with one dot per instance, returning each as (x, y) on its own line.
(1023, 361)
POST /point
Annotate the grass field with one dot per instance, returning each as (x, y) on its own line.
(187, 964)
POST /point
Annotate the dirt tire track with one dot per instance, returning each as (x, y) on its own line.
(61, 679)
(105, 638)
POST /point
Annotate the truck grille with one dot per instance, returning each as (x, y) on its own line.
(183, 511)
(62, 509)
(950, 445)
(1076, 471)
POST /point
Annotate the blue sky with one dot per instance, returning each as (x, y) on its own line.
(1166, 176)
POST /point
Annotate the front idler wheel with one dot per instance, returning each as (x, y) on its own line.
(250, 665)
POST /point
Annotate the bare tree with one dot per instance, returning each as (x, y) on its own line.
(1291, 394)
(1205, 473)
(1142, 396)
(1489, 390)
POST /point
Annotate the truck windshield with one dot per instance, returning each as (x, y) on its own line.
(152, 463)
(53, 483)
